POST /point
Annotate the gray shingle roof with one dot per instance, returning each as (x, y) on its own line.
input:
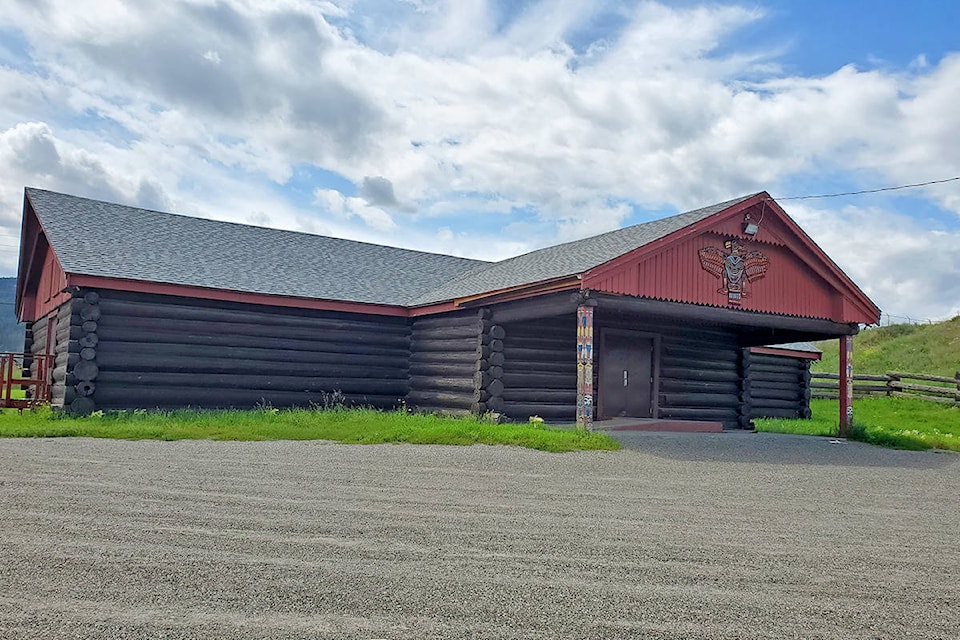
(111, 240)
(566, 259)
(102, 239)
(807, 347)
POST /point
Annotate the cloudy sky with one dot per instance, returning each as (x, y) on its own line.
(489, 128)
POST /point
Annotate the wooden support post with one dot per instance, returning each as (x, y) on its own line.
(585, 367)
(846, 384)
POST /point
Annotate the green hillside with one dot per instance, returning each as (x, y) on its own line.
(931, 348)
(11, 333)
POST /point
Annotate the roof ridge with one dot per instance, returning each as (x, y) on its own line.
(251, 226)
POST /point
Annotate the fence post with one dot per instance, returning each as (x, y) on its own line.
(958, 387)
(846, 384)
(890, 379)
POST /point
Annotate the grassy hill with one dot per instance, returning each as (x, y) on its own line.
(932, 348)
(11, 333)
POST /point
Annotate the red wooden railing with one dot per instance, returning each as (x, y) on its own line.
(36, 389)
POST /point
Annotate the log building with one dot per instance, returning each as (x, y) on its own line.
(655, 321)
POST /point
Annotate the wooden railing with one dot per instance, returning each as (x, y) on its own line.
(19, 392)
(893, 383)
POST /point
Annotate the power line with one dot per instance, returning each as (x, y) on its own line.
(857, 193)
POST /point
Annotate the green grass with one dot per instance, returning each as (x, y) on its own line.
(933, 349)
(358, 426)
(901, 423)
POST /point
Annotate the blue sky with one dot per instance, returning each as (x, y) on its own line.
(491, 128)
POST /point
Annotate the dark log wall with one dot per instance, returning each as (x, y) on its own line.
(540, 369)
(151, 351)
(779, 386)
(699, 370)
(454, 364)
(71, 334)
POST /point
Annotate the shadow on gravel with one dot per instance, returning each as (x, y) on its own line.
(776, 448)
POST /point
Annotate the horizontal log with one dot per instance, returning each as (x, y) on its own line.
(693, 374)
(452, 320)
(496, 359)
(443, 399)
(825, 385)
(924, 388)
(67, 309)
(203, 366)
(689, 413)
(793, 372)
(446, 333)
(497, 331)
(769, 403)
(758, 382)
(522, 411)
(441, 383)
(348, 386)
(901, 394)
(86, 370)
(922, 376)
(539, 355)
(68, 359)
(495, 388)
(90, 297)
(119, 396)
(699, 386)
(277, 316)
(494, 404)
(776, 394)
(62, 375)
(825, 376)
(89, 312)
(694, 353)
(376, 357)
(90, 326)
(247, 333)
(700, 364)
(570, 366)
(545, 396)
(69, 333)
(543, 380)
(699, 400)
(88, 353)
(459, 345)
(440, 357)
(535, 308)
(208, 339)
(495, 372)
(88, 340)
(464, 371)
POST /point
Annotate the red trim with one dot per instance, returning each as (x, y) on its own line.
(441, 307)
(789, 353)
(160, 288)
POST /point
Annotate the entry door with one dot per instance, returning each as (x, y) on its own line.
(626, 370)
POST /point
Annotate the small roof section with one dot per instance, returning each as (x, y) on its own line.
(101, 239)
(568, 259)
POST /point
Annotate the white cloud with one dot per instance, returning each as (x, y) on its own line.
(906, 269)
(468, 114)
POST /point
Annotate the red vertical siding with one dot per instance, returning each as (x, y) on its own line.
(791, 285)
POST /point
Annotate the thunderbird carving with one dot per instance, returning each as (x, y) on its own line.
(735, 268)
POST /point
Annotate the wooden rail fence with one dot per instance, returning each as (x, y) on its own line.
(894, 383)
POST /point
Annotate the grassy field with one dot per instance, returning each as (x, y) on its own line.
(933, 349)
(359, 426)
(902, 423)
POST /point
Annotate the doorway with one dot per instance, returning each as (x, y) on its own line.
(627, 374)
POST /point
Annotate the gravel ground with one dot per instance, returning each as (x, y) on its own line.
(680, 536)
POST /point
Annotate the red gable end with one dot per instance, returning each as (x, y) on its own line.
(778, 269)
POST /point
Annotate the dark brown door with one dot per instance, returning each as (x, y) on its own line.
(626, 370)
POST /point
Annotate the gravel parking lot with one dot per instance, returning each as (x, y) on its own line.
(680, 536)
